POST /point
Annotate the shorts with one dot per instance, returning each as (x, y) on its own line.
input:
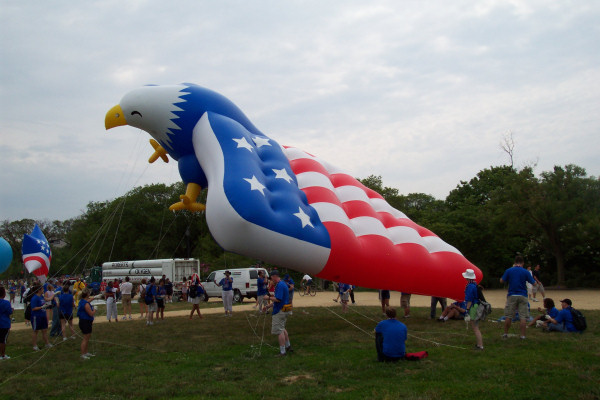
(195, 300)
(68, 317)
(152, 307)
(126, 300)
(345, 296)
(384, 294)
(86, 326)
(278, 322)
(4, 335)
(529, 287)
(39, 323)
(516, 303)
(538, 287)
(160, 303)
(405, 300)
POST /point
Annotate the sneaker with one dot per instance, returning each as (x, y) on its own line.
(64, 339)
(90, 355)
(536, 300)
(84, 357)
(35, 348)
(48, 345)
(5, 357)
(74, 337)
(289, 349)
(478, 347)
(335, 300)
(505, 336)
(281, 355)
(522, 337)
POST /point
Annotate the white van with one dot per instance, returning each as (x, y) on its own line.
(244, 283)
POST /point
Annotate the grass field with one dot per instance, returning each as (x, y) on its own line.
(334, 358)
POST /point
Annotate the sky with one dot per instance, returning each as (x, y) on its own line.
(419, 93)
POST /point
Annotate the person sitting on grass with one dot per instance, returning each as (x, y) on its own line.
(390, 338)
(455, 310)
(564, 320)
(549, 311)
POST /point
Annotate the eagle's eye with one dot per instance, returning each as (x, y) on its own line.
(136, 112)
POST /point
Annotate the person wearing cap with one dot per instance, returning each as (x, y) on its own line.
(471, 304)
(564, 320)
(227, 293)
(516, 277)
(280, 313)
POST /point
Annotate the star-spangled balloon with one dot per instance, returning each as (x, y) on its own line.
(37, 254)
(283, 205)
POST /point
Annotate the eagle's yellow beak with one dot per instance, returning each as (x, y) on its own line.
(114, 117)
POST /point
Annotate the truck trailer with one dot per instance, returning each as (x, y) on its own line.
(175, 269)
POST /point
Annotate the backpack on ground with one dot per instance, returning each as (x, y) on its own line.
(579, 321)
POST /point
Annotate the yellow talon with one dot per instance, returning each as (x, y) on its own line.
(159, 151)
(188, 200)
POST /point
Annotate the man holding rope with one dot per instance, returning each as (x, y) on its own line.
(281, 310)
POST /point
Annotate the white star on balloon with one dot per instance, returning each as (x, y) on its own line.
(243, 143)
(260, 141)
(255, 184)
(304, 218)
(282, 174)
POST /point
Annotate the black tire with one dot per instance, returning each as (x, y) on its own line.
(237, 296)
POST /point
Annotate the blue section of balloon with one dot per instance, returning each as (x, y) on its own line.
(261, 186)
(6, 255)
(196, 101)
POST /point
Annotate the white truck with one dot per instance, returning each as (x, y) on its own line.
(244, 283)
(175, 269)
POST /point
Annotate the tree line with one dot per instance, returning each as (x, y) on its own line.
(552, 219)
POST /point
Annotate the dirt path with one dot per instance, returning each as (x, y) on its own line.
(582, 299)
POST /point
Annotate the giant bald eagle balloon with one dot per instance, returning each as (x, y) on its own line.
(283, 205)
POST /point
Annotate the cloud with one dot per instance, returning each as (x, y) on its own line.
(419, 93)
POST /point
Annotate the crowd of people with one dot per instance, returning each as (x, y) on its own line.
(58, 301)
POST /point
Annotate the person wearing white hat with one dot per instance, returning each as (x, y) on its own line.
(472, 301)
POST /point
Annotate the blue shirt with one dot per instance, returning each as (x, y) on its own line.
(226, 284)
(81, 313)
(37, 301)
(564, 317)
(471, 294)
(343, 287)
(261, 287)
(289, 282)
(66, 303)
(394, 335)
(283, 295)
(553, 312)
(5, 313)
(516, 278)
(150, 291)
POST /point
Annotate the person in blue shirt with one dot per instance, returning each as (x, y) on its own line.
(390, 338)
(290, 284)
(471, 303)
(549, 311)
(227, 293)
(344, 290)
(66, 302)
(563, 322)
(39, 321)
(150, 300)
(261, 291)
(281, 309)
(517, 278)
(85, 312)
(161, 293)
(5, 322)
(456, 310)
